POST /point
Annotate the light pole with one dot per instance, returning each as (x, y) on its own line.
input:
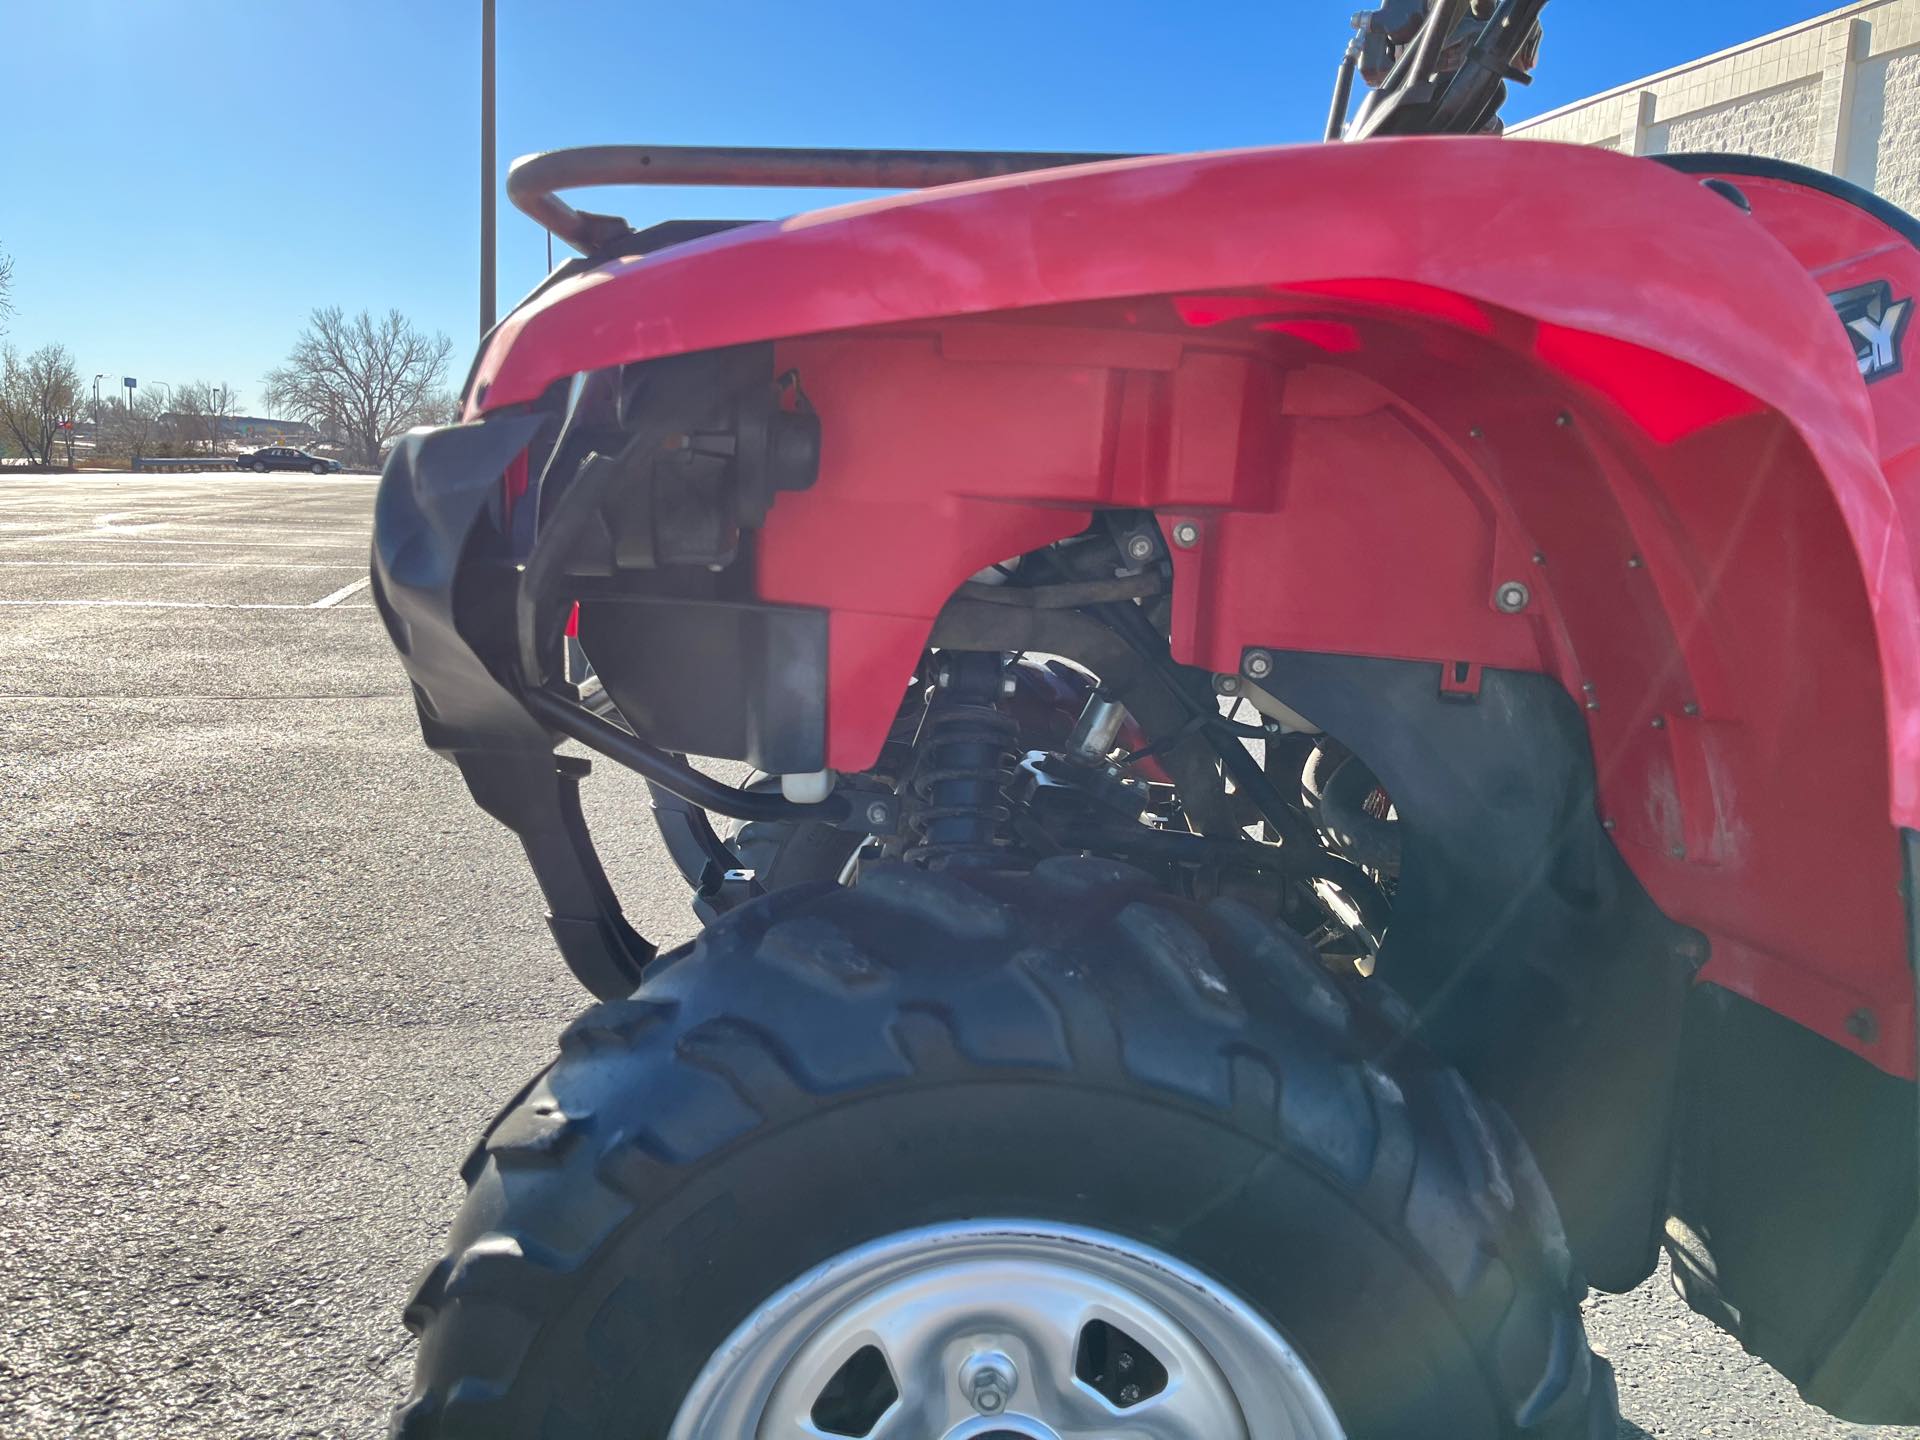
(96, 405)
(486, 167)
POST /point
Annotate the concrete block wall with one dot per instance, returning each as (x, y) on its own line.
(1839, 92)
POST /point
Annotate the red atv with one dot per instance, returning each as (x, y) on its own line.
(1339, 747)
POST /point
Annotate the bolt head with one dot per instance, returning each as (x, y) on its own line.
(1862, 1026)
(1226, 684)
(1659, 722)
(1512, 597)
(1692, 707)
(877, 813)
(989, 1379)
(1140, 547)
(1634, 562)
(1186, 534)
(1607, 825)
(1563, 419)
(1257, 664)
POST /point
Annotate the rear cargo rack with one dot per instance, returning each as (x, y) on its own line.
(534, 180)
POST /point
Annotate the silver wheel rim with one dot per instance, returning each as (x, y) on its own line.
(984, 1329)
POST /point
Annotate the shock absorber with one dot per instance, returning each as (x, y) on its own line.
(963, 760)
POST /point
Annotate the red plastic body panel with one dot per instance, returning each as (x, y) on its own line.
(1385, 380)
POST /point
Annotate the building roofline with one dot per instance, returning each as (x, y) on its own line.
(1857, 7)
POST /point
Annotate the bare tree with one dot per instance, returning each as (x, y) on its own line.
(361, 378)
(440, 409)
(6, 290)
(36, 394)
(201, 410)
(131, 429)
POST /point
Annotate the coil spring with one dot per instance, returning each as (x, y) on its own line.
(963, 763)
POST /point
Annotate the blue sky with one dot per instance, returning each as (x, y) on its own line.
(181, 182)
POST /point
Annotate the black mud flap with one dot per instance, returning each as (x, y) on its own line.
(1796, 1224)
(451, 619)
(1793, 1223)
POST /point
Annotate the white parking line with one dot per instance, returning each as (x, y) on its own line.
(158, 605)
(353, 564)
(152, 483)
(342, 593)
(95, 537)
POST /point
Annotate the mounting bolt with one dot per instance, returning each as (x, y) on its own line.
(1607, 824)
(1862, 1026)
(1659, 722)
(1539, 557)
(988, 1379)
(1186, 534)
(1512, 597)
(1678, 852)
(1226, 684)
(1563, 419)
(1256, 664)
(1474, 432)
(1140, 548)
(1692, 707)
(878, 814)
(1634, 562)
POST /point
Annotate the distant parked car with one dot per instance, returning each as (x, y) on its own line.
(283, 457)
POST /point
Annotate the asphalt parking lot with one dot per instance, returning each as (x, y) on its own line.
(265, 971)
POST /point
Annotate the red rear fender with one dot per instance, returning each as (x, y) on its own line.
(1389, 385)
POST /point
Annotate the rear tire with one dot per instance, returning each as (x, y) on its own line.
(319, 469)
(828, 1068)
(259, 467)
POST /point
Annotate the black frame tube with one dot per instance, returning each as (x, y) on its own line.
(532, 180)
(669, 772)
(1343, 92)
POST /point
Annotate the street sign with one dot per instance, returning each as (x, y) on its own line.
(128, 381)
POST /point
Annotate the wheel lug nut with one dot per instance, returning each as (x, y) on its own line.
(989, 1379)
